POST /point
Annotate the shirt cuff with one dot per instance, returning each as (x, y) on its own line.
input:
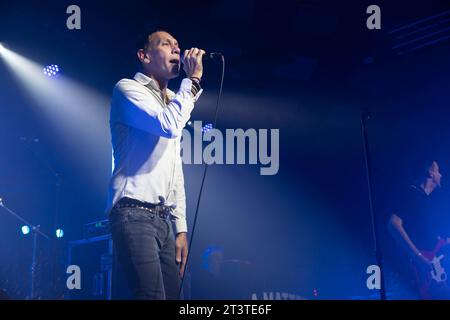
(186, 86)
(180, 225)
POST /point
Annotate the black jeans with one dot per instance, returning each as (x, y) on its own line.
(145, 248)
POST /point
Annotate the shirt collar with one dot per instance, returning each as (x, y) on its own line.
(150, 83)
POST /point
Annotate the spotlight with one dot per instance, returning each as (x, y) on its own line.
(207, 127)
(59, 233)
(25, 229)
(51, 70)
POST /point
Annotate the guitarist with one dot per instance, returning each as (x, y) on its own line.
(417, 228)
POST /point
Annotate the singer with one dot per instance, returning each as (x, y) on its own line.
(146, 202)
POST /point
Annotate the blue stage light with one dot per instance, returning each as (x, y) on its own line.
(51, 70)
(207, 127)
(25, 229)
(59, 233)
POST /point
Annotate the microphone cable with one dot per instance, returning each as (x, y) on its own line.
(204, 176)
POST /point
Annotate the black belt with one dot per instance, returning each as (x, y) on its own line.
(162, 211)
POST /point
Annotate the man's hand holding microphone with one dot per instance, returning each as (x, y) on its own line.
(192, 63)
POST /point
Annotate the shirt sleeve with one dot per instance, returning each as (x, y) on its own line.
(407, 206)
(180, 196)
(133, 105)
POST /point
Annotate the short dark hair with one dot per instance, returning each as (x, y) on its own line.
(144, 37)
(419, 168)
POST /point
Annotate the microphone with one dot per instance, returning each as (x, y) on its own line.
(211, 55)
(207, 56)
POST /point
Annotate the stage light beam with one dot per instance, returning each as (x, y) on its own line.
(76, 112)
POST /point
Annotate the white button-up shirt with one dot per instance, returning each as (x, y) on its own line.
(146, 134)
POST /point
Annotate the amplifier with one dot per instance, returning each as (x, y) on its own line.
(94, 258)
(96, 228)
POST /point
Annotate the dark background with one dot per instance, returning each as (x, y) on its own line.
(307, 68)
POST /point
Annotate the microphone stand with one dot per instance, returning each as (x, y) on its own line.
(56, 175)
(35, 231)
(365, 116)
(28, 143)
